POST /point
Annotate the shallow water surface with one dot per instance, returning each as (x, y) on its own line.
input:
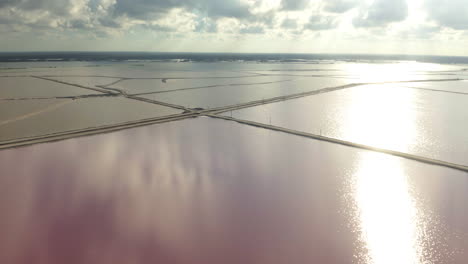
(43, 117)
(460, 86)
(231, 95)
(212, 191)
(206, 190)
(426, 123)
(136, 86)
(28, 87)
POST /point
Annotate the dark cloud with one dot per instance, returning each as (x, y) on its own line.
(452, 14)
(381, 13)
(339, 6)
(5, 3)
(122, 14)
(266, 18)
(60, 7)
(40, 14)
(160, 28)
(108, 22)
(146, 9)
(289, 24)
(97, 15)
(7, 20)
(252, 30)
(141, 9)
(78, 24)
(317, 22)
(293, 5)
(226, 8)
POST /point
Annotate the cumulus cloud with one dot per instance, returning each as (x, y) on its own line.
(144, 9)
(109, 22)
(339, 6)
(4, 3)
(108, 15)
(252, 30)
(294, 4)
(206, 25)
(381, 13)
(452, 14)
(53, 6)
(289, 23)
(119, 15)
(228, 18)
(317, 22)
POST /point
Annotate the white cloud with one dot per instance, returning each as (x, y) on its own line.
(317, 22)
(381, 13)
(289, 23)
(452, 14)
(275, 22)
(339, 6)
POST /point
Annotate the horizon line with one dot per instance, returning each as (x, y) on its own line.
(231, 53)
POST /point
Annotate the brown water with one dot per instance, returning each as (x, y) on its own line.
(211, 191)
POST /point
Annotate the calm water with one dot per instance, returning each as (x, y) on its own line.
(454, 86)
(27, 87)
(426, 123)
(25, 118)
(136, 86)
(231, 95)
(211, 191)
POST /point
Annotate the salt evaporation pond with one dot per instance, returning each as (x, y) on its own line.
(204, 190)
(211, 191)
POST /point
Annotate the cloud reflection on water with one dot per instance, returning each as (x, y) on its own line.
(210, 191)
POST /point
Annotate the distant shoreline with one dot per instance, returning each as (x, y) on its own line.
(221, 57)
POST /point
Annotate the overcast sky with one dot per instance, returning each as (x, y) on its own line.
(292, 26)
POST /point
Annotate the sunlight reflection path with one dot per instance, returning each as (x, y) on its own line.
(390, 222)
(372, 115)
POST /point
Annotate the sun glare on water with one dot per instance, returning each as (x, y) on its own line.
(382, 117)
(389, 221)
